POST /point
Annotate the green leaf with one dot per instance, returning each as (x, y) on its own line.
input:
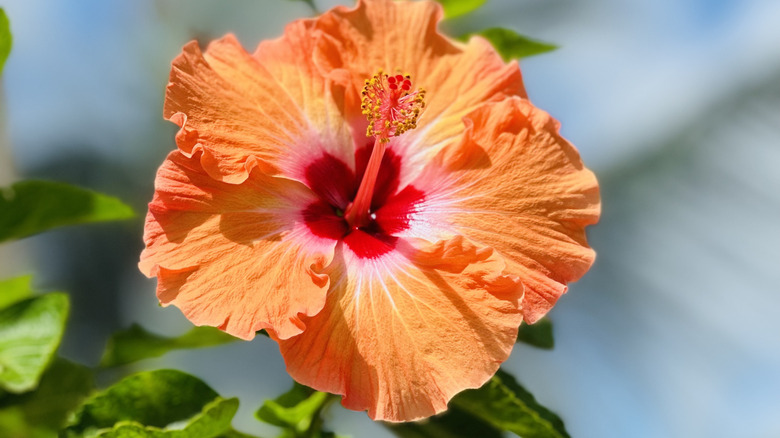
(152, 398)
(42, 413)
(6, 39)
(136, 343)
(212, 422)
(456, 8)
(538, 334)
(31, 207)
(235, 434)
(30, 332)
(511, 45)
(506, 405)
(297, 411)
(454, 423)
(15, 289)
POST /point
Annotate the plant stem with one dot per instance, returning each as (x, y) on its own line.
(315, 429)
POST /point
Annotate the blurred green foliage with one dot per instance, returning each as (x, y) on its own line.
(499, 405)
(6, 40)
(31, 207)
(136, 343)
(457, 8)
(538, 334)
(510, 44)
(455, 423)
(30, 332)
(297, 412)
(145, 404)
(42, 413)
(506, 405)
(15, 289)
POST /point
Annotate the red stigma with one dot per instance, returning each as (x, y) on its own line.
(391, 106)
(391, 109)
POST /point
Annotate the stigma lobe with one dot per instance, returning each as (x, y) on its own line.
(390, 106)
(391, 109)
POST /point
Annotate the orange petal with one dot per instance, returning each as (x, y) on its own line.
(403, 36)
(233, 256)
(241, 114)
(517, 186)
(290, 60)
(401, 334)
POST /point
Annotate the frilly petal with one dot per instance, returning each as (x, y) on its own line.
(403, 36)
(401, 335)
(515, 185)
(242, 112)
(229, 255)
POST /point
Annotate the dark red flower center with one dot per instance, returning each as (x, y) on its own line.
(336, 186)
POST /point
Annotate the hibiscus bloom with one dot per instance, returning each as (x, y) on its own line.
(392, 268)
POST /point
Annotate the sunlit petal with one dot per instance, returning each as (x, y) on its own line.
(514, 184)
(402, 334)
(229, 255)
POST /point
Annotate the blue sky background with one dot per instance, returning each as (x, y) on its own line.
(675, 104)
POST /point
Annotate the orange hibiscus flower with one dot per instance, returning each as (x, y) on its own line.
(394, 268)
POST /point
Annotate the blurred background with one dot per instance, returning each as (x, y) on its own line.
(675, 104)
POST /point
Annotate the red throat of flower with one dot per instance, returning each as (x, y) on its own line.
(392, 109)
